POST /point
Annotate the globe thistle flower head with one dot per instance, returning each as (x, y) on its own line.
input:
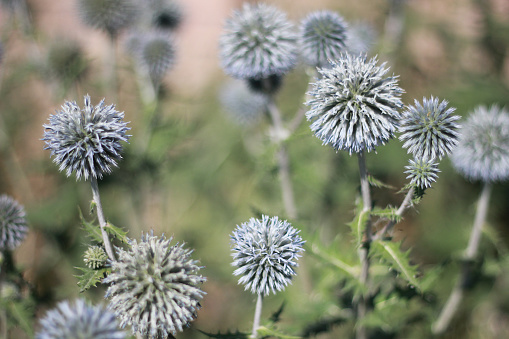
(154, 287)
(422, 172)
(483, 148)
(66, 62)
(108, 15)
(258, 42)
(354, 106)
(265, 253)
(429, 130)
(166, 15)
(266, 86)
(13, 225)
(361, 37)
(323, 36)
(86, 140)
(79, 320)
(156, 55)
(95, 257)
(243, 106)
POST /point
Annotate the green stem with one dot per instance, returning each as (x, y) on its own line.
(407, 202)
(454, 301)
(257, 315)
(102, 221)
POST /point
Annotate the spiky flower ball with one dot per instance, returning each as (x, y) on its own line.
(258, 42)
(483, 149)
(95, 257)
(422, 172)
(429, 130)
(323, 36)
(265, 253)
(244, 106)
(66, 62)
(354, 106)
(79, 320)
(361, 37)
(108, 15)
(13, 225)
(165, 14)
(154, 287)
(86, 140)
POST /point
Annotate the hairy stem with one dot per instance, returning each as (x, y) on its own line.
(102, 221)
(257, 315)
(283, 161)
(454, 301)
(407, 202)
(362, 306)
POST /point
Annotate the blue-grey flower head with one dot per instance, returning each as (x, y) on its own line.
(422, 172)
(165, 14)
(361, 37)
(95, 257)
(156, 54)
(265, 253)
(13, 224)
(323, 36)
(354, 106)
(86, 140)
(483, 149)
(258, 42)
(66, 61)
(244, 106)
(108, 15)
(154, 287)
(429, 130)
(79, 320)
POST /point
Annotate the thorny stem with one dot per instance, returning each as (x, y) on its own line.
(362, 306)
(100, 216)
(452, 304)
(257, 315)
(283, 161)
(407, 202)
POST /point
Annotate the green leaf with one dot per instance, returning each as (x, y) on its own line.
(93, 231)
(387, 213)
(398, 260)
(22, 312)
(358, 224)
(227, 335)
(117, 232)
(334, 260)
(265, 331)
(90, 277)
(377, 183)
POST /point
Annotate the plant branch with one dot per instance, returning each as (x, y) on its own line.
(100, 217)
(407, 202)
(454, 301)
(257, 315)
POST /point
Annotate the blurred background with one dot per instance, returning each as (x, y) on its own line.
(202, 173)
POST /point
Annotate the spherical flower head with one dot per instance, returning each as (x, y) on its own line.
(265, 253)
(354, 106)
(483, 148)
(361, 37)
(244, 106)
(258, 42)
(86, 140)
(108, 15)
(166, 14)
(95, 257)
(154, 287)
(79, 320)
(156, 54)
(429, 130)
(66, 61)
(422, 172)
(13, 225)
(323, 36)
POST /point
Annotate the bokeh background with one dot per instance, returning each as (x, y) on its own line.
(203, 174)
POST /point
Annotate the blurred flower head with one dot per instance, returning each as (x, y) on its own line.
(165, 14)
(354, 106)
(429, 130)
(258, 42)
(361, 37)
(323, 37)
(95, 257)
(243, 106)
(154, 287)
(79, 320)
(108, 15)
(422, 172)
(86, 140)
(66, 62)
(13, 224)
(265, 253)
(483, 149)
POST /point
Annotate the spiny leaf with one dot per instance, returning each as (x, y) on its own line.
(227, 335)
(265, 331)
(93, 231)
(22, 312)
(90, 277)
(276, 316)
(388, 213)
(117, 232)
(399, 260)
(377, 183)
(358, 224)
(333, 260)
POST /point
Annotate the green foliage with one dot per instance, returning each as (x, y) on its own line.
(358, 224)
(90, 277)
(266, 332)
(374, 182)
(389, 213)
(227, 335)
(19, 312)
